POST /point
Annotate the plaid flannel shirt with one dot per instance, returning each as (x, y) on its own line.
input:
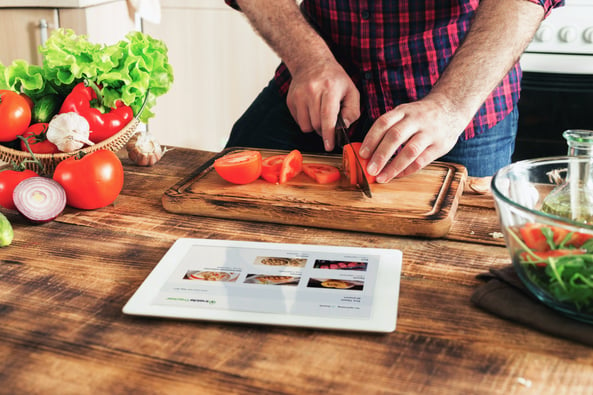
(395, 51)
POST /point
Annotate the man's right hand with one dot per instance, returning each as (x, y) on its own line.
(317, 94)
(320, 88)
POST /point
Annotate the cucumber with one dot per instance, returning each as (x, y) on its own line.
(45, 108)
(6, 232)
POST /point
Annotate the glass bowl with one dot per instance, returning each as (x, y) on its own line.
(551, 253)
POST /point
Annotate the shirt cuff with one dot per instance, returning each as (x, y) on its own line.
(548, 5)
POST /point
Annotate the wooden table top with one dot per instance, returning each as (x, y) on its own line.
(63, 285)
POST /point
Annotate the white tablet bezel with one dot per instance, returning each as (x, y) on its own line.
(384, 290)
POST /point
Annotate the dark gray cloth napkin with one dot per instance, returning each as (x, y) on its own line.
(504, 295)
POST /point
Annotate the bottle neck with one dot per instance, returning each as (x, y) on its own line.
(580, 142)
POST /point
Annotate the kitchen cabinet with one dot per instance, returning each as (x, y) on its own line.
(21, 28)
(219, 64)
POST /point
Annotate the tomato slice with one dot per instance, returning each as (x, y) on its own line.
(239, 167)
(278, 169)
(292, 165)
(578, 239)
(321, 173)
(539, 256)
(349, 155)
(533, 237)
(270, 170)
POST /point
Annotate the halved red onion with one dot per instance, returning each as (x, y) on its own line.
(39, 199)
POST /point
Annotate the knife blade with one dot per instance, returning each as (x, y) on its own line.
(342, 139)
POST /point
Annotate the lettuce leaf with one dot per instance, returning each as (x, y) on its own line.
(133, 70)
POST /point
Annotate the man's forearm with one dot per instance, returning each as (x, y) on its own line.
(285, 30)
(498, 36)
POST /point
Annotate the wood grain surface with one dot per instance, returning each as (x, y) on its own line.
(63, 285)
(423, 204)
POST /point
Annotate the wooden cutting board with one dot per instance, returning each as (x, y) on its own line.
(423, 204)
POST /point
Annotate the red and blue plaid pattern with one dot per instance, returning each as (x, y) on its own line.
(396, 50)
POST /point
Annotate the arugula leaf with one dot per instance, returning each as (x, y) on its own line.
(568, 278)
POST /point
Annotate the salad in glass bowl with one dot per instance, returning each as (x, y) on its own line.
(551, 248)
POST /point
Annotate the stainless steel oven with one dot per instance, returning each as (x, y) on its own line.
(557, 87)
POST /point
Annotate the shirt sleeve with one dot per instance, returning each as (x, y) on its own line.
(548, 5)
(232, 3)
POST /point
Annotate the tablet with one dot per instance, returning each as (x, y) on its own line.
(329, 287)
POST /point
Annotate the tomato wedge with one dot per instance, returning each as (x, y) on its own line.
(278, 169)
(239, 167)
(321, 173)
(270, 170)
(291, 166)
(349, 164)
(534, 239)
(541, 256)
(578, 239)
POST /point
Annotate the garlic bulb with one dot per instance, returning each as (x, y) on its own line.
(144, 150)
(69, 132)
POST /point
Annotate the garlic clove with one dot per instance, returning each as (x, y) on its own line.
(144, 150)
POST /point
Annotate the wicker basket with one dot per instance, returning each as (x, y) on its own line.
(50, 161)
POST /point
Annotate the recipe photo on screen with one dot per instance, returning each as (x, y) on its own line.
(313, 283)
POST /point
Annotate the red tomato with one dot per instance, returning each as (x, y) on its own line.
(532, 236)
(291, 166)
(575, 239)
(543, 255)
(15, 115)
(349, 164)
(239, 167)
(270, 170)
(37, 139)
(9, 179)
(321, 173)
(28, 100)
(578, 239)
(93, 181)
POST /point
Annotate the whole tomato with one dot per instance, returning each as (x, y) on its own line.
(91, 182)
(15, 115)
(36, 136)
(9, 179)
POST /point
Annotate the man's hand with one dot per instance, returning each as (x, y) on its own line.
(430, 127)
(425, 130)
(320, 87)
(317, 94)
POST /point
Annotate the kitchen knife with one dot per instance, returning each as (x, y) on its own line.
(342, 139)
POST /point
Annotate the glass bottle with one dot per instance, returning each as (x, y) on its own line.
(573, 199)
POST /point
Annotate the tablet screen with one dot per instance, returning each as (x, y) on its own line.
(273, 283)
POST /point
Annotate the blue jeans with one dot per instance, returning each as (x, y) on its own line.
(489, 151)
(267, 123)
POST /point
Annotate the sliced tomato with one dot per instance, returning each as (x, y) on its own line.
(540, 256)
(535, 239)
(321, 173)
(292, 165)
(270, 170)
(239, 167)
(349, 164)
(278, 169)
(532, 236)
(574, 239)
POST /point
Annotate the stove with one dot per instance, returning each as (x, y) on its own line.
(557, 84)
(564, 41)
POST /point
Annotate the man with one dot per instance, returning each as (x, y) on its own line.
(419, 80)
